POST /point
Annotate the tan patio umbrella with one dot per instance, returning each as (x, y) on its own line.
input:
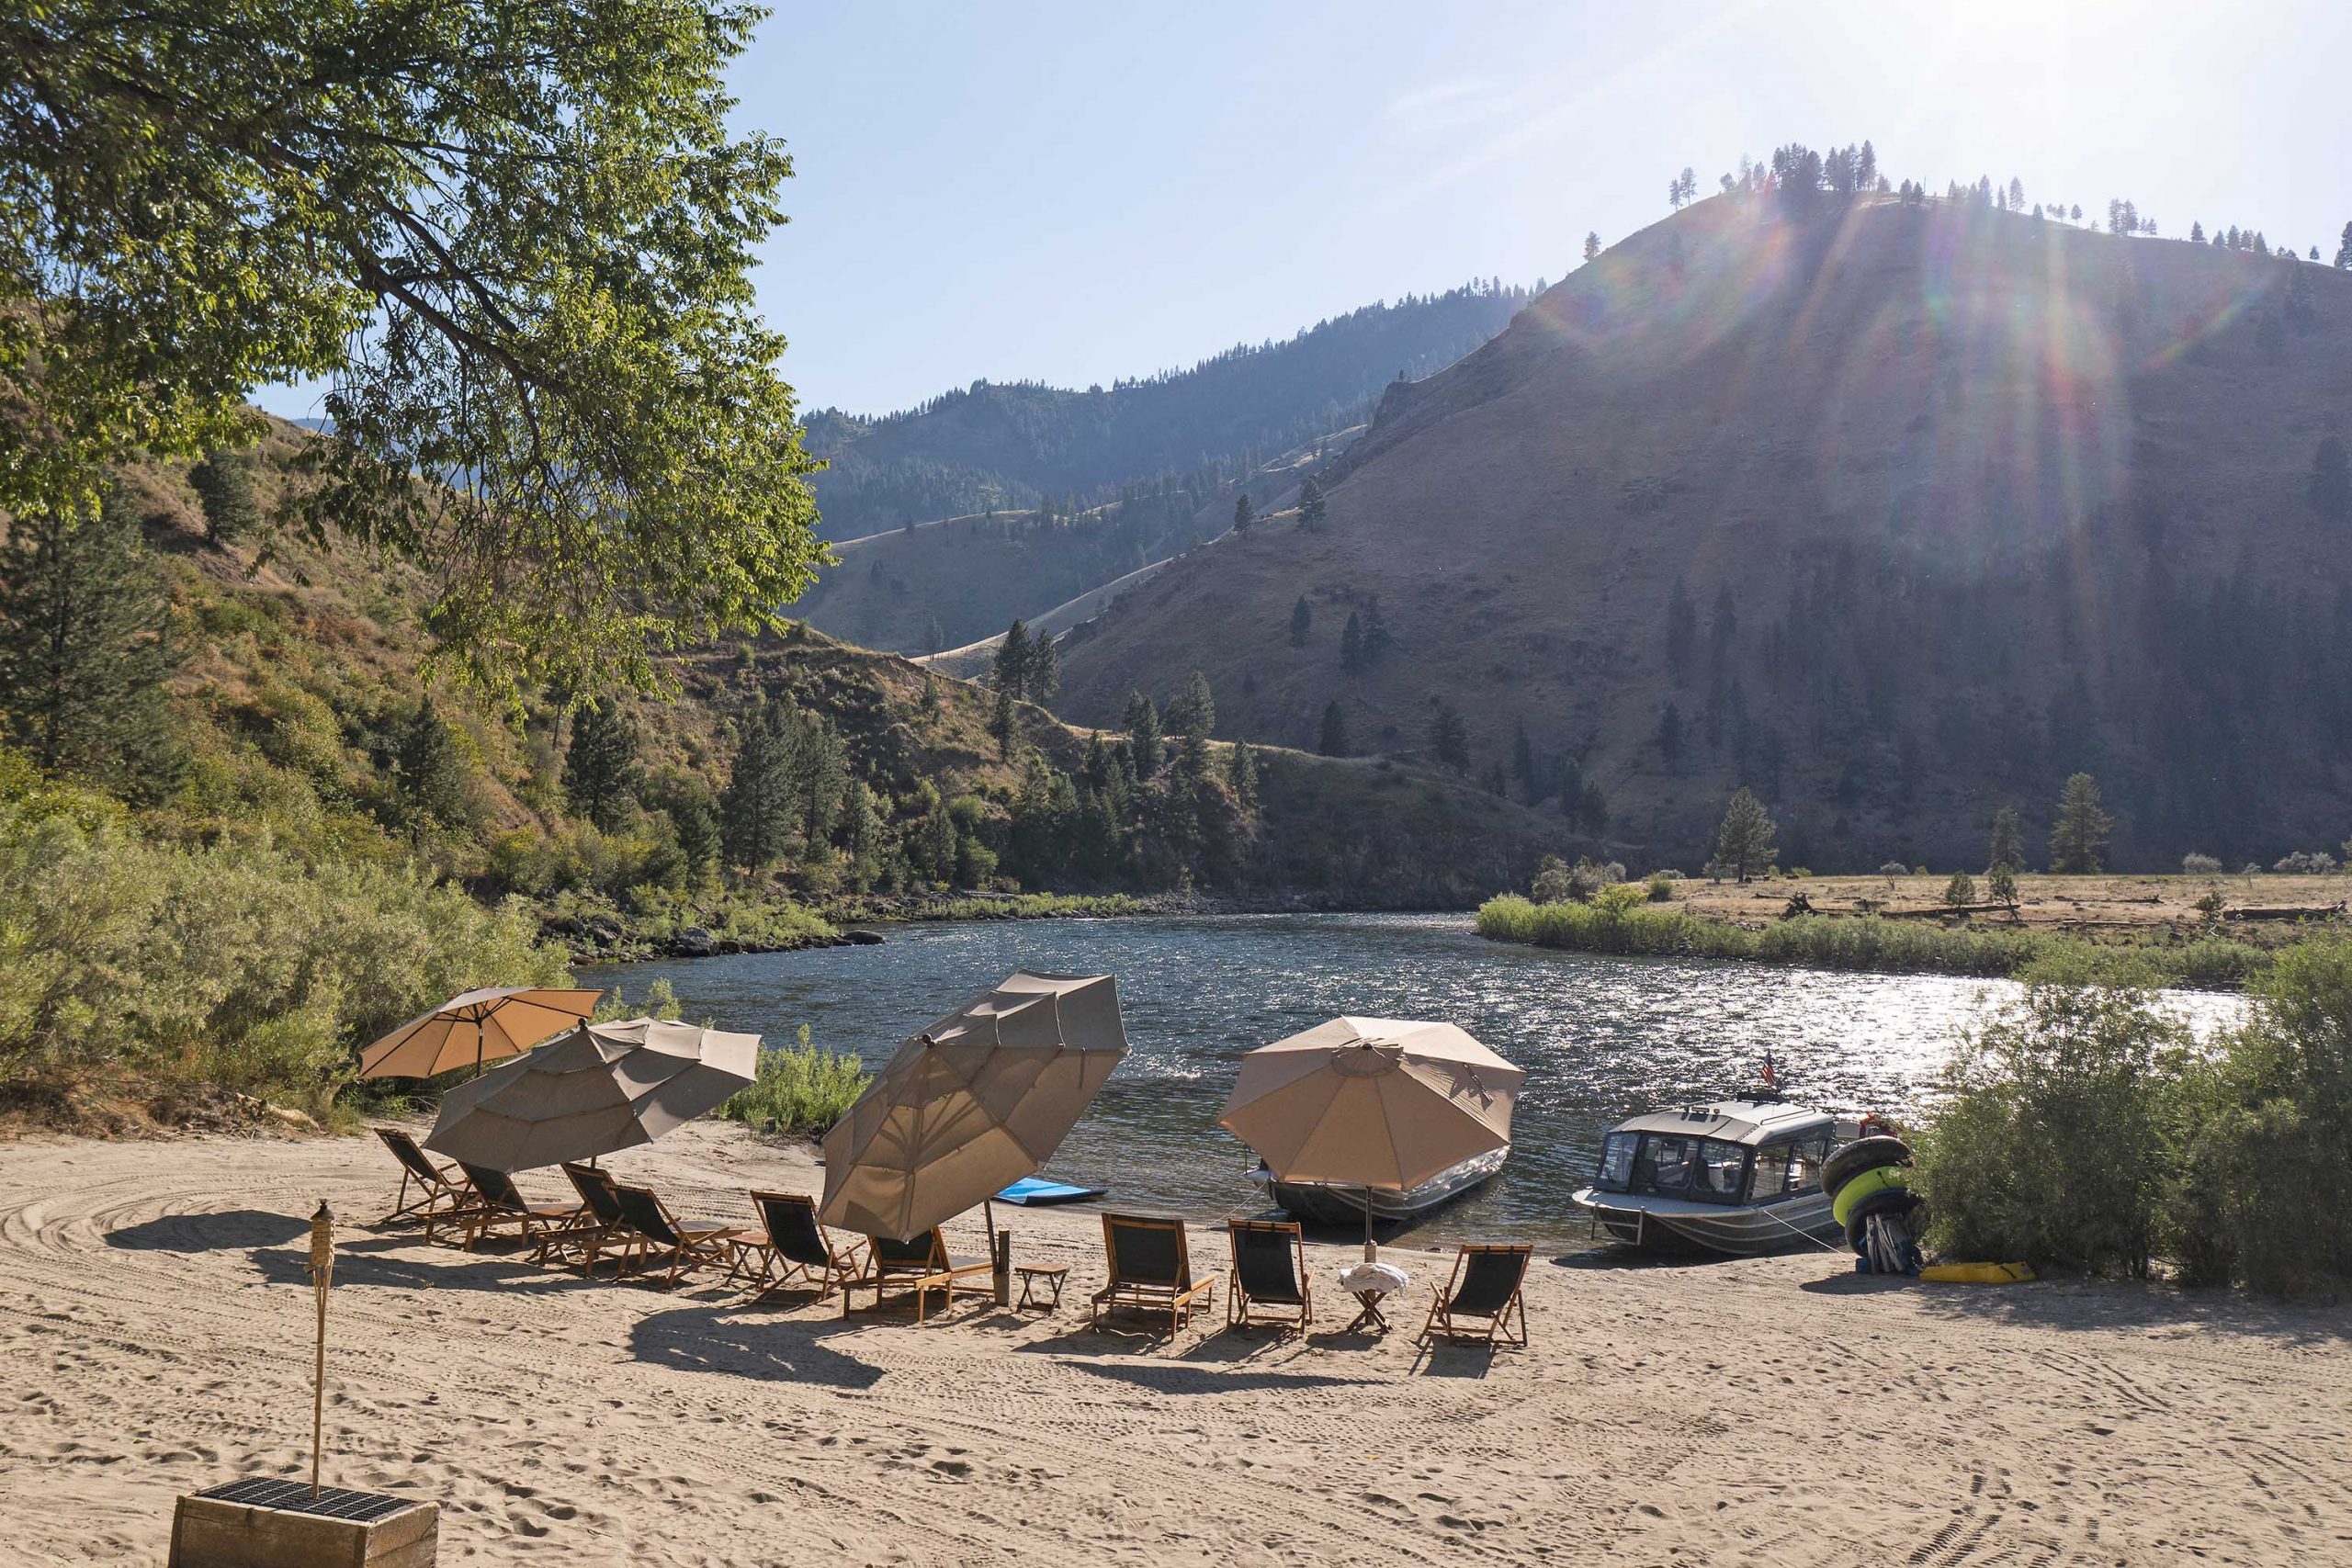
(1371, 1102)
(478, 1027)
(980, 1099)
(601, 1088)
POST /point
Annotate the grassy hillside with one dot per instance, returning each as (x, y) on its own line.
(1959, 503)
(1007, 446)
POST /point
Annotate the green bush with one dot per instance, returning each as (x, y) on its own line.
(2047, 1146)
(800, 1090)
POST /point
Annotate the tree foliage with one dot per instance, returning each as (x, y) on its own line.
(1744, 844)
(518, 242)
(2079, 837)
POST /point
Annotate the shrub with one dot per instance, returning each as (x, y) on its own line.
(2306, 863)
(800, 1090)
(2047, 1146)
(2199, 865)
(1893, 869)
(1960, 890)
(1552, 885)
(1661, 885)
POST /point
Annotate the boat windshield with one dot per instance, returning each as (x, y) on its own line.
(1672, 1165)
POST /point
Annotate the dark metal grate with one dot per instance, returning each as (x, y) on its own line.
(294, 1497)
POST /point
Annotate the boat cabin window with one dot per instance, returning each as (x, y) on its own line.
(1617, 1161)
(1672, 1165)
(1781, 1168)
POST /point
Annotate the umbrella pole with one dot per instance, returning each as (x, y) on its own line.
(1371, 1248)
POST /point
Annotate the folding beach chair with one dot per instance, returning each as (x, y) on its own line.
(923, 1264)
(1269, 1274)
(791, 1245)
(437, 1187)
(653, 1231)
(598, 1224)
(499, 1202)
(1151, 1271)
(1487, 1282)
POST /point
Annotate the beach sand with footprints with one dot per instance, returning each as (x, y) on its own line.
(155, 1339)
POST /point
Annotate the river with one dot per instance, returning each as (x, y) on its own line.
(1600, 1038)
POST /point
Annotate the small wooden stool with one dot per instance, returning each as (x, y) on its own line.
(1031, 1273)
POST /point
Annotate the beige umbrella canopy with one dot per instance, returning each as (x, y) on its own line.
(1371, 1102)
(982, 1098)
(478, 1027)
(601, 1088)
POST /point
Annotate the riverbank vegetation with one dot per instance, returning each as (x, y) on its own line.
(801, 1089)
(2082, 1129)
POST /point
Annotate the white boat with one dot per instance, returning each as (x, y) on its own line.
(1738, 1176)
(1328, 1204)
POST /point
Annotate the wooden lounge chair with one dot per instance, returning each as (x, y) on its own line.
(791, 1243)
(1269, 1274)
(599, 1223)
(923, 1264)
(499, 1202)
(438, 1186)
(1487, 1282)
(1151, 1271)
(654, 1233)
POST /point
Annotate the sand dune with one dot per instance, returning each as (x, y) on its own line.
(153, 1339)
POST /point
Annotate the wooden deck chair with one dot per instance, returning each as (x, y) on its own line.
(438, 1186)
(790, 1245)
(654, 1233)
(1151, 1271)
(500, 1201)
(923, 1264)
(599, 1223)
(1487, 1282)
(1270, 1274)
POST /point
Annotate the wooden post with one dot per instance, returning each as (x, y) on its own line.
(1000, 1252)
(321, 1271)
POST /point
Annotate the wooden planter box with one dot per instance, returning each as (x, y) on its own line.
(277, 1524)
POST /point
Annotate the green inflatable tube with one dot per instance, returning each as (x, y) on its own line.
(1880, 1179)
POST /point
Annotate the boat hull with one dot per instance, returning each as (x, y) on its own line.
(1323, 1204)
(1796, 1223)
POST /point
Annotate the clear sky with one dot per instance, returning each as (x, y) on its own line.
(1077, 192)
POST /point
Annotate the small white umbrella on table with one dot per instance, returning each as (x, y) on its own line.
(980, 1099)
(602, 1088)
(1371, 1102)
(477, 1027)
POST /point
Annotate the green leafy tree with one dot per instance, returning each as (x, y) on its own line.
(859, 834)
(518, 244)
(1448, 737)
(2004, 847)
(1331, 739)
(755, 809)
(1241, 777)
(694, 817)
(433, 770)
(86, 644)
(1960, 891)
(1142, 725)
(1312, 508)
(600, 765)
(2078, 838)
(2001, 886)
(224, 488)
(1744, 844)
(1302, 621)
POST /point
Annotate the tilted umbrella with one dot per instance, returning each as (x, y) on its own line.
(980, 1099)
(1371, 1102)
(601, 1088)
(477, 1027)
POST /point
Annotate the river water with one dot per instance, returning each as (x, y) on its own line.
(1600, 1038)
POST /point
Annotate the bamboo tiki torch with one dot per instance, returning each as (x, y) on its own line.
(321, 1270)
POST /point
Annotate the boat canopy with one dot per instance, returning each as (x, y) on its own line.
(1744, 1121)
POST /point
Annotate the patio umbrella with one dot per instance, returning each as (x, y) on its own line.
(478, 1027)
(1371, 1102)
(601, 1088)
(979, 1099)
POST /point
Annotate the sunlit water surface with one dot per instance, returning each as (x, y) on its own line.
(1600, 1038)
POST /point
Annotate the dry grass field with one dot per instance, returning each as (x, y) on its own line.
(2096, 903)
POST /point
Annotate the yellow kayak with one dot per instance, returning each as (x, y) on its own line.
(1978, 1273)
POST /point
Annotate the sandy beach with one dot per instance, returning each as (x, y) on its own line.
(155, 1326)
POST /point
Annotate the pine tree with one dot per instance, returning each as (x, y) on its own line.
(86, 645)
(2078, 838)
(1744, 844)
(1241, 777)
(1866, 166)
(1332, 741)
(433, 770)
(1193, 709)
(600, 765)
(1010, 672)
(936, 840)
(2001, 886)
(1302, 620)
(224, 488)
(1352, 644)
(2195, 232)
(1960, 891)
(2005, 849)
(1592, 245)
(859, 834)
(2344, 250)
(1045, 677)
(1143, 734)
(1448, 737)
(1243, 515)
(2016, 194)
(1312, 508)
(1004, 720)
(755, 810)
(819, 771)
(694, 817)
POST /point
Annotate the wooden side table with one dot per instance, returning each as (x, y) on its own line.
(1050, 1276)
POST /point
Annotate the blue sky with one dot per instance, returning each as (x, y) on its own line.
(1078, 192)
